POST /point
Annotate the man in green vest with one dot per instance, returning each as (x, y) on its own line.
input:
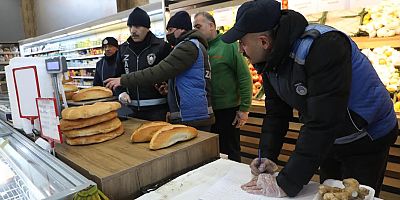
(231, 86)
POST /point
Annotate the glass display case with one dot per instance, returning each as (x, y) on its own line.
(28, 172)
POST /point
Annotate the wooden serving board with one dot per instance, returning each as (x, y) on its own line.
(121, 168)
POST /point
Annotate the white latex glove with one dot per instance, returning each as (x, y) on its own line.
(264, 184)
(265, 166)
(240, 119)
(124, 98)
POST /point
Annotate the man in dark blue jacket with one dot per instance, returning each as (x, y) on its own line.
(105, 67)
(348, 116)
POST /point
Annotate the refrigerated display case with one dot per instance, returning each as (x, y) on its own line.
(28, 172)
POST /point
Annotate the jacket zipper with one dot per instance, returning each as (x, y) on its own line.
(137, 69)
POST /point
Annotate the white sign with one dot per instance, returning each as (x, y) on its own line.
(225, 16)
(304, 7)
(49, 122)
(362, 3)
(329, 5)
(27, 90)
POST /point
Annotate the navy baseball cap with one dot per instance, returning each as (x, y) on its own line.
(254, 17)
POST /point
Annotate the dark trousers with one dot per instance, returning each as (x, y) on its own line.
(229, 136)
(150, 113)
(364, 160)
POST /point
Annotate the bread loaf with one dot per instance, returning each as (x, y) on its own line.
(103, 127)
(95, 138)
(95, 92)
(66, 124)
(84, 112)
(146, 131)
(171, 134)
(70, 88)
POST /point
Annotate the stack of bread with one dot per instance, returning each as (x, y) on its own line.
(162, 134)
(92, 93)
(91, 124)
(70, 90)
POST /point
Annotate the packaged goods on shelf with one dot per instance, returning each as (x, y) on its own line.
(382, 20)
(384, 60)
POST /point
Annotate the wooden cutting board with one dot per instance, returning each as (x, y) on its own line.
(121, 168)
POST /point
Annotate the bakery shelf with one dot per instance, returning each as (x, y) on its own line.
(85, 57)
(40, 52)
(2, 72)
(366, 42)
(78, 49)
(4, 63)
(82, 77)
(83, 67)
(84, 86)
(9, 53)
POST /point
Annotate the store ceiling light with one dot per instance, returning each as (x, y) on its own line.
(105, 24)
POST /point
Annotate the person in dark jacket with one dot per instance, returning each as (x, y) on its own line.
(347, 115)
(105, 67)
(142, 50)
(188, 70)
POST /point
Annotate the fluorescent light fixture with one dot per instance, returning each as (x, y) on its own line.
(79, 31)
(105, 24)
(154, 12)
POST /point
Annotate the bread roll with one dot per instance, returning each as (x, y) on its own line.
(66, 124)
(146, 131)
(84, 112)
(95, 92)
(103, 127)
(95, 138)
(70, 88)
(170, 135)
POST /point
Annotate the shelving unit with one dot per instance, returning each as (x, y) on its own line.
(4, 63)
(41, 52)
(85, 57)
(83, 67)
(366, 42)
(82, 77)
(78, 49)
(9, 53)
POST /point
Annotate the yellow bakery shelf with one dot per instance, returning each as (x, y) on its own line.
(366, 42)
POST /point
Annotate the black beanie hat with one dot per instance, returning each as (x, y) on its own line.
(139, 17)
(181, 20)
(109, 41)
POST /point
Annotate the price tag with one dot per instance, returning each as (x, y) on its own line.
(48, 117)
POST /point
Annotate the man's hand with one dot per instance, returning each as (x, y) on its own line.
(264, 184)
(113, 83)
(265, 166)
(162, 88)
(240, 119)
(124, 98)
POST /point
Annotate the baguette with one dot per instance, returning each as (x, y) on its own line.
(95, 92)
(66, 125)
(95, 138)
(146, 131)
(103, 127)
(170, 135)
(84, 112)
(70, 88)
